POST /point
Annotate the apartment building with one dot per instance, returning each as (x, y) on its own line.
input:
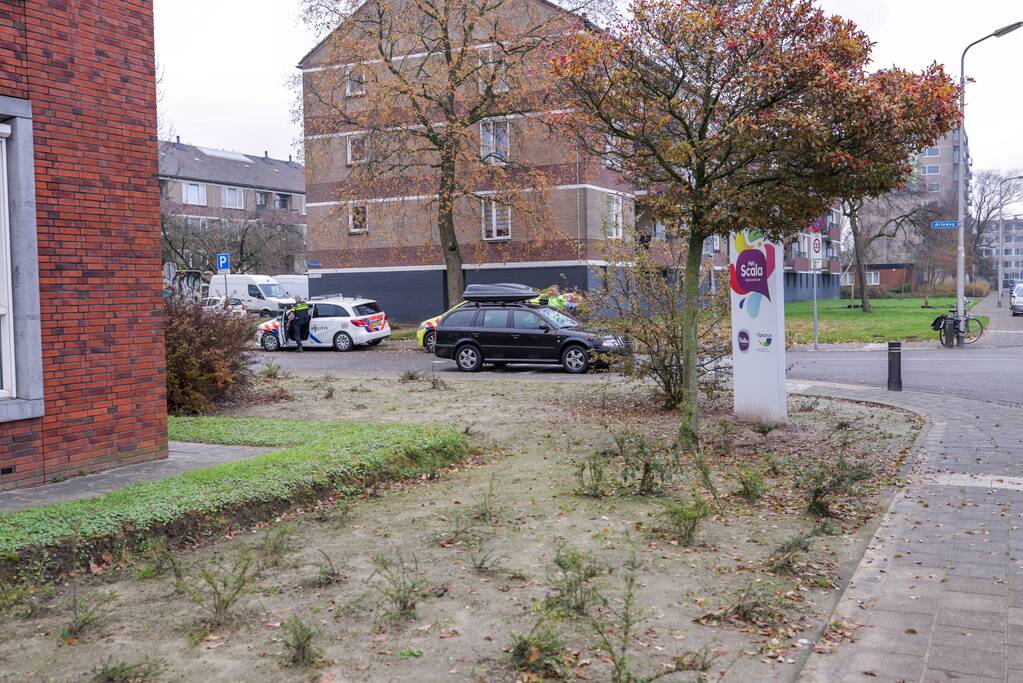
(1012, 250)
(386, 243)
(79, 241)
(208, 195)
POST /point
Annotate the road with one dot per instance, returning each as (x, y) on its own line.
(992, 370)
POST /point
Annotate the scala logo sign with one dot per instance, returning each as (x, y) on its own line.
(750, 274)
(743, 340)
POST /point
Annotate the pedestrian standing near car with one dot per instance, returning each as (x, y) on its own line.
(299, 321)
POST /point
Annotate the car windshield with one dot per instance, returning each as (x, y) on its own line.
(1019, 290)
(559, 319)
(368, 308)
(273, 290)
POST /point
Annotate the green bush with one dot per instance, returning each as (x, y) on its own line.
(338, 456)
(208, 357)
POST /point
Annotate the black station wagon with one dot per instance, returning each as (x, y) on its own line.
(504, 324)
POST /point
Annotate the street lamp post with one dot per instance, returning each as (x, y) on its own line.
(1001, 232)
(961, 250)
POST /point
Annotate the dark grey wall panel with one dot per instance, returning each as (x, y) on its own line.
(408, 296)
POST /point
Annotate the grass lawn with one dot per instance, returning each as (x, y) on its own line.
(314, 457)
(890, 320)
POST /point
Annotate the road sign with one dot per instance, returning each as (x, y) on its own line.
(223, 263)
(944, 225)
(312, 264)
(816, 264)
(817, 226)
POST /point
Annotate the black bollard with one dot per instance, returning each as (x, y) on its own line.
(894, 366)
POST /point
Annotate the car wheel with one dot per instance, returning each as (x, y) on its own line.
(374, 342)
(270, 342)
(266, 313)
(430, 342)
(468, 358)
(342, 342)
(575, 359)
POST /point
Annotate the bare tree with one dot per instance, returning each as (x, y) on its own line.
(990, 197)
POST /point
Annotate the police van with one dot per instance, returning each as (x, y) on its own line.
(339, 322)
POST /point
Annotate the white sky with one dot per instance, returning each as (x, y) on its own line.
(226, 64)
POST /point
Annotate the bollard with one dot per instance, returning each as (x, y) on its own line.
(950, 331)
(894, 366)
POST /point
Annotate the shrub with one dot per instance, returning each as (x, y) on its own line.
(207, 356)
(219, 589)
(592, 474)
(572, 581)
(644, 466)
(300, 642)
(400, 583)
(124, 672)
(823, 483)
(541, 651)
(85, 613)
(682, 519)
(788, 551)
(751, 483)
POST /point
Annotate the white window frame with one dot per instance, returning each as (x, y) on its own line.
(352, 161)
(848, 278)
(932, 152)
(873, 278)
(354, 87)
(277, 201)
(352, 209)
(490, 210)
(501, 82)
(934, 188)
(930, 170)
(615, 228)
(200, 193)
(8, 369)
(489, 152)
(224, 193)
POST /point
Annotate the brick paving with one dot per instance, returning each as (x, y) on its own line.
(181, 458)
(939, 592)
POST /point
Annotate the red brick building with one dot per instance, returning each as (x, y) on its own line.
(81, 337)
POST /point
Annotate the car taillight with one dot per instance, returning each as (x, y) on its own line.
(359, 322)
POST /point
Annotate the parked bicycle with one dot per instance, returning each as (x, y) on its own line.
(972, 328)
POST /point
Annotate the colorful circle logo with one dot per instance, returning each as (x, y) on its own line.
(750, 274)
(743, 340)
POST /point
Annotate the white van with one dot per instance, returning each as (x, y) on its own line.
(258, 293)
(294, 285)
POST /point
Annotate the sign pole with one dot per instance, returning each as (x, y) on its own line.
(815, 338)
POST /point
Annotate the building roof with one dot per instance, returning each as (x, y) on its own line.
(206, 164)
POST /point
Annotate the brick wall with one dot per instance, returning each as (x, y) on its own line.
(88, 68)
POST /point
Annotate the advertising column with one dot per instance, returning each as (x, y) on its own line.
(758, 327)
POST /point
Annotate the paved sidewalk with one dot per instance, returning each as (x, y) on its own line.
(939, 592)
(1003, 329)
(181, 458)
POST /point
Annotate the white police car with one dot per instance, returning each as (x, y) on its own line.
(340, 322)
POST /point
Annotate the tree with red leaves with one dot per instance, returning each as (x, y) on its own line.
(740, 114)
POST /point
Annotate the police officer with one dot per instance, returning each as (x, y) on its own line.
(298, 316)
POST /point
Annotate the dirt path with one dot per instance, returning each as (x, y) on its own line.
(520, 501)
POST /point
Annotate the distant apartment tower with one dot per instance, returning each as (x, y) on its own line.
(203, 188)
(937, 167)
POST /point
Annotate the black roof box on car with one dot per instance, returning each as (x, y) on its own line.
(504, 291)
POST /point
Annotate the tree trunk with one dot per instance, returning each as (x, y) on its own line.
(690, 343)
(446, 229)
(858, 255)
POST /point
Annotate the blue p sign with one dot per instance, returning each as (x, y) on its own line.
(223, 262)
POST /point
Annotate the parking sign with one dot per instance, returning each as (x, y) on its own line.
(223, 263)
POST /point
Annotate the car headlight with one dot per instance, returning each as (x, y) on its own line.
(611, 343)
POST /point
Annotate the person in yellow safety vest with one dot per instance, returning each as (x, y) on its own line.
(298, 321)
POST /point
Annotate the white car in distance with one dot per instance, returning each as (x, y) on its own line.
(338, 322)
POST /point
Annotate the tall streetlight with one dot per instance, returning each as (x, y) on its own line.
(1001, 232)
(961, 252)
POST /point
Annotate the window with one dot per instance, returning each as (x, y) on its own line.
(930, 170)
(847, 278)
(357, 152)
(496, 219)
(329, 311)
(932, 152)
(526, 320)
(493, 66)
(368, 308)
(934, 187)
(282, 201)
(7, 376)
(615, 217)
(660, 231)
(873, 278)
(460, 318)
(355, 83)
(254, 292)
(357, 222)
(262, 200)
(193, 193)
(495, 141)
(711, 245)
(494, 318)
(233, 198)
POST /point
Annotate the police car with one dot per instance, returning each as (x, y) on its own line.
(339, 322)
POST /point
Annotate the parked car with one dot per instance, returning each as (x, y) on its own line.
(338, 322)
(233, 306)
(1016, 300)
(259, 293)
(498, 324)
(426, 334)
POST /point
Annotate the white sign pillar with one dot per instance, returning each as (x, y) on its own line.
(758, 327)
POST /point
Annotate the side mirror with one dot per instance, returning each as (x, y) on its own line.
(544, 328)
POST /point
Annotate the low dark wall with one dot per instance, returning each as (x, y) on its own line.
(799, 286)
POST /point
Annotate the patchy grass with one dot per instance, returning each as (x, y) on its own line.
(890, 320)
(315, 457)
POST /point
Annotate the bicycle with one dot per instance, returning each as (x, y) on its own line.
(971, 328)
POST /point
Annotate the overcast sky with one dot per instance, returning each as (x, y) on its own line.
(226, 64)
